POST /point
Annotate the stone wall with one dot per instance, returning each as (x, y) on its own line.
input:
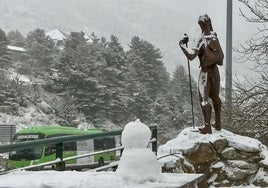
(223, 164)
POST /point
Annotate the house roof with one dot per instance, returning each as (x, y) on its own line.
(16, 48)
(57, 34)
(88, 38)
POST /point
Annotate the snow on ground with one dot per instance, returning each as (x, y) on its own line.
(13, 75)
(74, 179)
(138, 168)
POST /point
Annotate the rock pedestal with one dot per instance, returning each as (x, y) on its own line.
(225, 158)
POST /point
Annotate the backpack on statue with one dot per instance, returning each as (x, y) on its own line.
(213, 53)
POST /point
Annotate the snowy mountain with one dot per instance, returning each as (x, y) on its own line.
(156, 21)
(150, 20)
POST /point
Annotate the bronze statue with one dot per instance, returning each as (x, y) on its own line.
(210, 55)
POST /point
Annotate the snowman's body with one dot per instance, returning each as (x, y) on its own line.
(138, 163)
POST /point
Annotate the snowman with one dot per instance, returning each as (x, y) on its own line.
(138, 163)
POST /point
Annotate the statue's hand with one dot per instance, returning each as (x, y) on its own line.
(184, 40)
(181, 42)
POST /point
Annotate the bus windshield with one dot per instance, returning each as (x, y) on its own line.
(27, 153)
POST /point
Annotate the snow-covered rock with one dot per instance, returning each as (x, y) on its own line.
(227, 159)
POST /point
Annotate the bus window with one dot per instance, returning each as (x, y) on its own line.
(49, 150)
(104, 143)
(69, 146)
(27, 153)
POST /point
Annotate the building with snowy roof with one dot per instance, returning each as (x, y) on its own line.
(16, 48)
(58, 37)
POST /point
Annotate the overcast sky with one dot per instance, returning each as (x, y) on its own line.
(217, 10)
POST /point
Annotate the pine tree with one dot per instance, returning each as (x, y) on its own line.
(150, 71)
(15, 38)
(180, 94)
(114, 80)
(148, 78)
(172, 112)
(41, 50)
(5, 61)
(78, 72)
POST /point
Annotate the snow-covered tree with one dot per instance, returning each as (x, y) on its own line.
(72, 73)
(5, 61)
(147, 78)
(12, 94)
(149, 68)
(251, 98)
(41, 51)
(172, 112)
(15, 38)
(114, 80)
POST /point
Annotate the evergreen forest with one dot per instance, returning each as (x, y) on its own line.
(94, 82)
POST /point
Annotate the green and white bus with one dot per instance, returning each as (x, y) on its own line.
(37, 155)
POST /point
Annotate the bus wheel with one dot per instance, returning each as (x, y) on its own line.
(101, 162)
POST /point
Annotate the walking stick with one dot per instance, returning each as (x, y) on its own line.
(190, 82)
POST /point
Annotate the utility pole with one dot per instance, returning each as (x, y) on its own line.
(228, 79)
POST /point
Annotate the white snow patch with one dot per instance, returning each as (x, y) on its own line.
(264, 155)
(16, 48)
(19, 77)
(57, 179)
(218, 165)
(261, 175)
(187, 139)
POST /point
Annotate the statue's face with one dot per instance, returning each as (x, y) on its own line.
(201, 24)
(203, 21)
(203, 18)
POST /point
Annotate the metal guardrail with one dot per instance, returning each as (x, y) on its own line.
(58, 160)
(58, 141)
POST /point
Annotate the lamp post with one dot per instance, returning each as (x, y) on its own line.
(228, 81)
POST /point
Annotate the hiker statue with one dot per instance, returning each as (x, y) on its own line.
(210, 55)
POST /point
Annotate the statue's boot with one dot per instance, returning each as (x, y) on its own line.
(206, 109)
(206, 129)
(217, 109)
(217, 124)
